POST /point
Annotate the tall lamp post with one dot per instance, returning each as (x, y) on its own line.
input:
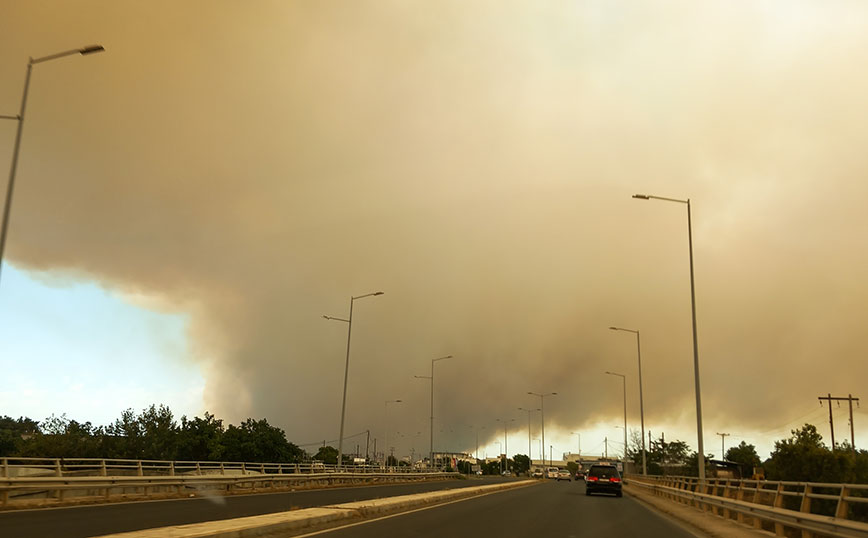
(624, 383)
(580, 441)
(431, 377)
(641, 399)
(529, 411)
(505, 443)
(477, 442)
(386, 425)
(701, 457)
(10, 186)
(349, 322)
(542, 407)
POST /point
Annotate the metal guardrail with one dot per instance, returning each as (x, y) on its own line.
(21, 478)
(13, 467)
(770, 502)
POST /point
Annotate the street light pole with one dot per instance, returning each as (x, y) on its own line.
(641, 399)
(624, 383)
(542, 407)
(580, 441)
(349, 323)
(10, 186)
(386, 425)
(431, 377)
(701, 457)
(505, 442)
(529, 411)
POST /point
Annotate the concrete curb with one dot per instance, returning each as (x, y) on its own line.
(314, 518)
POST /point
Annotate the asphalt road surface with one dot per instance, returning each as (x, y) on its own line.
(95, 520)
(550, 509)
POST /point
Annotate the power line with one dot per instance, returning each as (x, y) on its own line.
(331, 441)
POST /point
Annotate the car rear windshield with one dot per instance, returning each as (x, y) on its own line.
(604, 472)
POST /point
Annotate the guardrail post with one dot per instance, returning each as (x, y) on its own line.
(199, 468)
(57, 470)
(171, 468)
(103, 471)
(805, 508)
(5, 468)
(243, 468)
(779, 503)
(726, 487)
(843, 505)
(139, 470)
(739, 495)
(757, 494)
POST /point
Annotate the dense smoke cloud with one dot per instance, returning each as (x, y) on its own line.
(256, 165)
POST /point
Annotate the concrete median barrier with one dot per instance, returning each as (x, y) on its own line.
(316, 518)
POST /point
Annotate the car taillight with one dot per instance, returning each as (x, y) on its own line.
(592, 478)
(616, 479)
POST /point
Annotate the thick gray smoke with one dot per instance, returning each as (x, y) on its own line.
(255, 165)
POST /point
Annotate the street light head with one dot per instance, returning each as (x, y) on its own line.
(378, 293)
(641, 196)
(613, 328)
(91, 49)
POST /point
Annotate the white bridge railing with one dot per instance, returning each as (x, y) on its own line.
(807, 508)
(57, 480)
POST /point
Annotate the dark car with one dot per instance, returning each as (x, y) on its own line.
(603, 479)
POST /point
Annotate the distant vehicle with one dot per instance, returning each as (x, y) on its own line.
(506, 473)
(564, 475)
(580, 475)
(603, 479)
(552, 472)
(538, 473)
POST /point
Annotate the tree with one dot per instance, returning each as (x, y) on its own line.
(465, 467)
(201, 439)
(329, 455)
(14, 433)
(805, 458)
(745, 456)
(160, 431)
(520, 464)
(492, 467)
(257, 440)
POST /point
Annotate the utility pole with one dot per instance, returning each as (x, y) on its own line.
(663, 451)
(722, 453)
(850, 399)
(607, 448)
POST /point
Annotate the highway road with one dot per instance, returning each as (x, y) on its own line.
(550, 509)
(95, 520)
